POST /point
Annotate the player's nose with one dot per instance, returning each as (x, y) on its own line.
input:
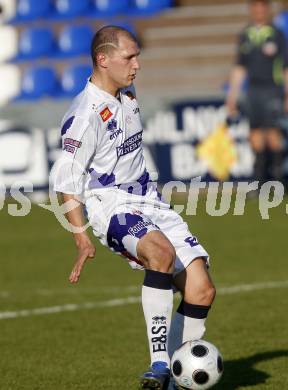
(136, 64)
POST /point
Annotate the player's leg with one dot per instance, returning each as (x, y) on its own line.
(273, 109)
(158, 256)
(276, 154)
(140, 240)
(255, 112)
(198, 293)
(191, 277)
(258, 145)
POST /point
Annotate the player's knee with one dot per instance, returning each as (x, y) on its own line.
(163, 257)
(211, 293)
(208, 294)
(205, 294)
(166, 254)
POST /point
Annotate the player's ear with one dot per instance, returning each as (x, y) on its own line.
(102, 60)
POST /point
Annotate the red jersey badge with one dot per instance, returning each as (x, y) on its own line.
(105, 114)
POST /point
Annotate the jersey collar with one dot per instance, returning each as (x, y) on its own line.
(96, 91)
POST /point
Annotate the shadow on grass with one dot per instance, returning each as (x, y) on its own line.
(241, 372)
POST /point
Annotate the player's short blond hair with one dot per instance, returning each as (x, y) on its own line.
(107, 39)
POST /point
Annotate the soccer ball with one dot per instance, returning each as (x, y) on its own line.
(197, 365)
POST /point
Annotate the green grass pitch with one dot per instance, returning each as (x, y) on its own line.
(102, 347)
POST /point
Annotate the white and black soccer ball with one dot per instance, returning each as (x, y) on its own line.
(196, 365)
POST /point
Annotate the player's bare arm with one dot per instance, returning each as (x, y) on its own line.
(237, 77)
(84, 245)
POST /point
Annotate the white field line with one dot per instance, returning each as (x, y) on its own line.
(4, 294)
(69, 307)
(251, 287)
(131, 300)
(74, 291)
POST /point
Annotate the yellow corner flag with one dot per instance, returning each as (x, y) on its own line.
(219, 152)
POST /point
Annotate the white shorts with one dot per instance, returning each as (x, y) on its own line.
(120, 220)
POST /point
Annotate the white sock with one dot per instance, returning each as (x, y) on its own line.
(157, 302)
(185, 327)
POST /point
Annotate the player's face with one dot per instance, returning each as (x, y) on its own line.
(123, 63)
(260, 12)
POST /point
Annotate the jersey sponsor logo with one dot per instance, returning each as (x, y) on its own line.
(112, 125)
(105, 114)
(270, 49)
(132, 143)
(70, 145)
(136, 110)
(115, 134)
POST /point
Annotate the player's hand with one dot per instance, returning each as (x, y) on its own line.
(86, 250)
(232, 108)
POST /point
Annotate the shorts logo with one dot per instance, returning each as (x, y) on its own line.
(192, 241)
(141, 225)
(71, 144)
(105, 114)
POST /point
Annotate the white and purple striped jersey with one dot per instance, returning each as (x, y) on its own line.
(101, 143)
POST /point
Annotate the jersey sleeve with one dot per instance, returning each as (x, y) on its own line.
(283, 48)
(79, 141)
(241, 56)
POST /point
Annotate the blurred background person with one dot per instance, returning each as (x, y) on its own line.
(262, 60)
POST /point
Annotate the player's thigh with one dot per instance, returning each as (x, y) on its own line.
(195, 283)
(156, 252)
(135, 236)
(257, 140)
(274, 139)
(186, 245)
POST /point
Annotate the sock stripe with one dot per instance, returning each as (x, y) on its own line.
(193, 311)
(160, 280)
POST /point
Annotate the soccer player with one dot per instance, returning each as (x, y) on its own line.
(102, 164)
(263, 59)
